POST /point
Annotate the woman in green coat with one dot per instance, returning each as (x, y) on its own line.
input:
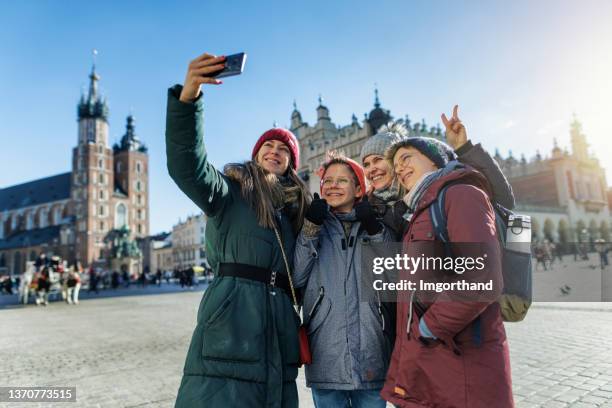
(244, 351)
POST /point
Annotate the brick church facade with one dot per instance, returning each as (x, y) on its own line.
(69, 214)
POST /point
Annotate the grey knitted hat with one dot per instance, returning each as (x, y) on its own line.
(387, 135)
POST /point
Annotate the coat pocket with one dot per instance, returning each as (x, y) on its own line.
(234, 330)
(432, 373)
(319, 315)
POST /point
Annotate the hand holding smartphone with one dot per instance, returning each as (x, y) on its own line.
(234, 65)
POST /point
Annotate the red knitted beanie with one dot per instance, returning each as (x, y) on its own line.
(282, 135)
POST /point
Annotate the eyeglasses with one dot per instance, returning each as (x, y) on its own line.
(403, 161)
(340, 181)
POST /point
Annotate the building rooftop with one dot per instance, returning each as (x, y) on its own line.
(36, 192)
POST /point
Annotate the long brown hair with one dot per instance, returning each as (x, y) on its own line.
(265, 193)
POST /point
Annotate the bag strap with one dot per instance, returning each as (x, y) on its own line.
(438, 215)
(280, 243)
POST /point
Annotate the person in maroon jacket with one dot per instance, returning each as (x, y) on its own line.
(448, 353)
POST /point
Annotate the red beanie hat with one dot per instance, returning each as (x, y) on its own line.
(282, 135)
(357, 169)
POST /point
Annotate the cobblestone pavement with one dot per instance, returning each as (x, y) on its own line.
(129, 351)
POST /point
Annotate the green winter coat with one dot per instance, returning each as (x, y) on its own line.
(244, 350)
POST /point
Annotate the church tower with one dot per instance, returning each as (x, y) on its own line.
(92, 174)
(578, 140)
(132, 180)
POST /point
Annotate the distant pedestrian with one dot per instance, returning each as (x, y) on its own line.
(143, 279)
(115, 280)
(158, 277)
(93, 280)
(7, 285)
(602, 249)
(558, 251)
(125, 277)
(540, 255)
(73, 286)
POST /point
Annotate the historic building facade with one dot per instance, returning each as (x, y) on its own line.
(566, 194)
(70, 214)
(324, 135)
(188, 242)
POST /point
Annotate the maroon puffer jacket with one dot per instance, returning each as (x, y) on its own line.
(454, 371)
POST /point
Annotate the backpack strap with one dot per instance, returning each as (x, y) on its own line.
(438, 215)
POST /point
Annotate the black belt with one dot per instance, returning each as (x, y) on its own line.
(272, 278)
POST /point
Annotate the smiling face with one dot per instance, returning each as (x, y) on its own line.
(274, 156)
(378, 171)
(340, 188)
(409, 165)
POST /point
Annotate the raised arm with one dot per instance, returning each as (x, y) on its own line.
(187, 159)
(478, 158)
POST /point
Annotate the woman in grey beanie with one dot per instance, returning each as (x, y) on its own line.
(384, 193)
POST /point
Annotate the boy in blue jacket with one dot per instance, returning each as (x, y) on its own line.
(350, 353)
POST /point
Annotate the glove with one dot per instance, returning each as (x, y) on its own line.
(367, 216)
(318, 210)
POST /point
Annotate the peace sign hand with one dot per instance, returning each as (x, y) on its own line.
(456, 136)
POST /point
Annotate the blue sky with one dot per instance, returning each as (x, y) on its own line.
(518, 70)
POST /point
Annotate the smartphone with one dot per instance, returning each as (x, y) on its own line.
(234, 65)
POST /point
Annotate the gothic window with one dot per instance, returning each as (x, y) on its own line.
(100, 149)
(139, 199)
(138, 167)
(101, 211)
(91, 132)
(101, 163)
(120, 215)
(138, 186)
(139, 229)
(139, 214)
(101, 226)
(101, 178)
(101, 194)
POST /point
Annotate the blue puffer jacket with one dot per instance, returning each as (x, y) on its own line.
(349, 349)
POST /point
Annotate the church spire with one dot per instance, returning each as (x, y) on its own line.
(93, 79)
(578, 140)
(376, 100)
(93, 106)
(322, 111)
(296, 117)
